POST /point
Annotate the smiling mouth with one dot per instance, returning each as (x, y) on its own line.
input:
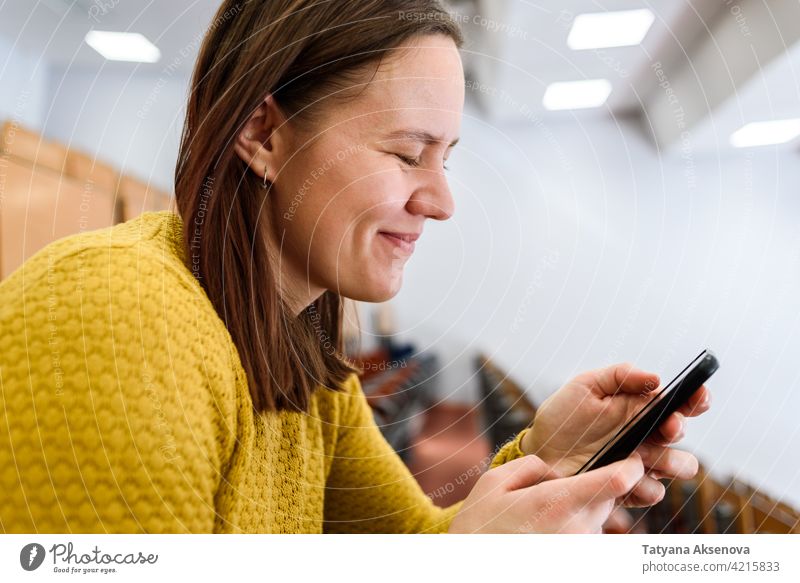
(402, 241)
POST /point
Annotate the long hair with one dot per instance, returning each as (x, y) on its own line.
(297, 50)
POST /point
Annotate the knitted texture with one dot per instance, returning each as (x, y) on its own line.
(125, 409)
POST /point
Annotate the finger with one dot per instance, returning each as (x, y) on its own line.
(589, 519)
(522, 472)
(606, 483)
(625, 378)
(668, 462)
(619, 521)
(698, 403)
(672, 430)
(647, 492)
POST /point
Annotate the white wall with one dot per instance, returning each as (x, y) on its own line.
(576, 245)
(23, 92)
(130, 121)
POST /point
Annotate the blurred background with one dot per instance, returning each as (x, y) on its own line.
(627, 187)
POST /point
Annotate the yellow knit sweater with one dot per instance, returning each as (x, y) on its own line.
(125, 409)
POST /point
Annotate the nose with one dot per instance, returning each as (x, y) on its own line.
(433, 199)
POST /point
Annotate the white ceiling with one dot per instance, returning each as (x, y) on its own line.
(54, 29)
(525, 59)
(528, 52)
(725, 64)
(772, 93)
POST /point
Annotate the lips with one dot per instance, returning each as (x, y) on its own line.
(401, 241)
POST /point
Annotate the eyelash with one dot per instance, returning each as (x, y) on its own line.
(414, 162)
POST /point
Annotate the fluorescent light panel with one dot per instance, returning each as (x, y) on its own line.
(765, 133)
(576, 94)
(601, 30)
(123, 46)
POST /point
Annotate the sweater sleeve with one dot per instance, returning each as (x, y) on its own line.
(371, 490)
(118, 412)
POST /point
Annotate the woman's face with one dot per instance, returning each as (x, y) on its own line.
(353, 202)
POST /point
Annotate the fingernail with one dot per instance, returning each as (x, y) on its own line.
(682, 431)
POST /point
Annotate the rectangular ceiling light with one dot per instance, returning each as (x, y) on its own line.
(765, 133)
(576, 94)
(123, 46)
(599, 30)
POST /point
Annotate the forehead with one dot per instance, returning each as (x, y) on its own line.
(420, 84)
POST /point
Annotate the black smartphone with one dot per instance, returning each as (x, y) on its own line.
(664, 402)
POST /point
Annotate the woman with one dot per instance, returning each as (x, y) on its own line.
(182, 372)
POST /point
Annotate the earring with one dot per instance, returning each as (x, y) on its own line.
(265, 177)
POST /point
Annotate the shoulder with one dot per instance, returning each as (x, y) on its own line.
(337, 407)
(151, 240)
(122, 294)
(351, 392)
(109, 340)
(140, 258)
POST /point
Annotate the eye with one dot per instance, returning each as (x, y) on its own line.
(413, 162)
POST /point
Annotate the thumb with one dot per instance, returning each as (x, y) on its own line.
(522, 472)
(609, 482)
(625, 378)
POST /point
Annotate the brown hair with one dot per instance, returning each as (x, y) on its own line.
(297, 50)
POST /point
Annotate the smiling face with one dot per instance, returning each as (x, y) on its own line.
(354, 192)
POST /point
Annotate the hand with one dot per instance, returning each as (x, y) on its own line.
(524, 496)
(574, 422)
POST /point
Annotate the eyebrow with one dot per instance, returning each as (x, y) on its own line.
(420, 135)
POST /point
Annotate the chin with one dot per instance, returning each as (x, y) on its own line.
(374, 292)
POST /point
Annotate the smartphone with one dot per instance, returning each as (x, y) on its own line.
(664, 402)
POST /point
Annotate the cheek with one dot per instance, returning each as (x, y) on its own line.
(362, 263)
(336, 223)
(358, 206)
(375, 203)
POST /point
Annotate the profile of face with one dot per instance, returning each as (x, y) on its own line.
(351, 196)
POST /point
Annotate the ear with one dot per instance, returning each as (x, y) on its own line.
(262, 142)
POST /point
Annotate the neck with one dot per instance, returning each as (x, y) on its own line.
(294, 286)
